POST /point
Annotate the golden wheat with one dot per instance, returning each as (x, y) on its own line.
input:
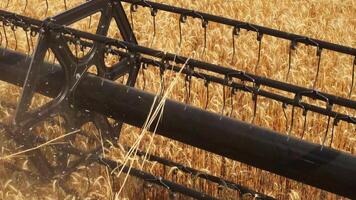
(330, 20)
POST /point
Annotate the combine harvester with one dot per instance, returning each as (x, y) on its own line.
(79, 97)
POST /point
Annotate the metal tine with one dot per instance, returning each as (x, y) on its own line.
(235, 32)
(284, 106)
(33, 34)
(318, 54)
(292, 121)
(89, 23)
(228, 81)
(293, 46)
(26, 3)
(205, 27)
(26, 29)
(326, 133)
(133, 8)
(206, 84)
(47, 7)
(255, 98)
(162, 69)
(329, 108)
(224, 95)
(188, 81)
(233, 93)
(254, 91)
(305, 114)
(352, 77)
(182, 19)
(259, 39)
(153, 14)
(13, 28)
(199, 76)
(65, 4)
(335, 123)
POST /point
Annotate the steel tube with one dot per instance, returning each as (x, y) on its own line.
(306, 162)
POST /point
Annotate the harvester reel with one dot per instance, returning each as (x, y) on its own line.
(78, 51)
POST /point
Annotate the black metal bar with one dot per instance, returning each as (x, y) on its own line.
(123, 23)
(225, 183)
(174, 187)
(245, 25)
(293, 158)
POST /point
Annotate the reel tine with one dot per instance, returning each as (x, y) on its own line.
(26, 3)
(255, 98)
(305, 114)
(188, 81)
(235, 32)
(228, 82)
(89, 23)
(13, 28)
(224, 95)
(47, 8)
(292, 47)
(205, 27)
(153, 14)
(133, 8)
(318, 54)
(284, 106)
(292, 121)
(259, 39)
(326, 132)
(329, 108)
(182, 20)
(206, 84)
(352, 77)
(65, 4)
(162, 70)
(28, 42)
(233, 93)
(335, 123)
(32, 35)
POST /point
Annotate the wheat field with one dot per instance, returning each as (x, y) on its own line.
(329, 20)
